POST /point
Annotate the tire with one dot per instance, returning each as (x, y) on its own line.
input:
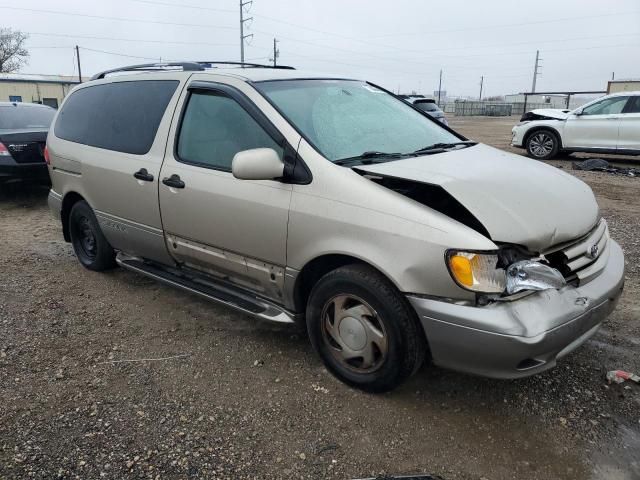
(89, 243)
(363, 329)
(543, 144)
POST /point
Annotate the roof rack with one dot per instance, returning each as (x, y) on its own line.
(186, 67)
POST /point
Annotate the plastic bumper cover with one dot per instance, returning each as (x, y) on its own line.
(55, 204)
(9, 168)
(525, 336)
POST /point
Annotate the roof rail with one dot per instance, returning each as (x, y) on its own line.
(186, 67)
(151, 67)
(209, 63)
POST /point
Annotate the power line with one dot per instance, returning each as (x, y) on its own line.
(118, 19)
(118, 54)
(506, 25)
(135, 40)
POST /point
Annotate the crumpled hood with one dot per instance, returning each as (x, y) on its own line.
(551, 113)
(518, 200)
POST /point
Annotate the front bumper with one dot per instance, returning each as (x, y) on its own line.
(525, 336)
(10, 169)
(517, 136)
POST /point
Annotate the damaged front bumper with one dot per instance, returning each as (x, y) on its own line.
(522, 337)
(517, 136)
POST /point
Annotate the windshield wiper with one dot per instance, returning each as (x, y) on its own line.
(439, 147)
(367, 158)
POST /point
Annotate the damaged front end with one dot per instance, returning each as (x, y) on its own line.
(493, 275)
(544, 114)
(505, 272)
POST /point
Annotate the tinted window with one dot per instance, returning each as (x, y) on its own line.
(608, 106)
(633, 106)
(13, 117)
(344, 118)
(427, 106)
(121, 116)
(214, 128)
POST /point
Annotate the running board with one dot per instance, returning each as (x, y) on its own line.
(208, 289)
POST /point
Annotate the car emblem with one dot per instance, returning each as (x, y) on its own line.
(592, 251)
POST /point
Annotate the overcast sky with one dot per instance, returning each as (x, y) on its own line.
(400, 44)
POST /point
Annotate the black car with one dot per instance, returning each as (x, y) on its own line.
(23, 136)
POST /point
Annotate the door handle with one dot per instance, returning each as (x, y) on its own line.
(143, 175)
(173, 181)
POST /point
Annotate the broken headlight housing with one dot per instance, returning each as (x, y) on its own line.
(476, 271)
(505, 271)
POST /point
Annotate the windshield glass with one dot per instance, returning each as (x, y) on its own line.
(14, 118)
(344, 118)
(427, 106)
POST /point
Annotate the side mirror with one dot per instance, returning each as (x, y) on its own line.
(257, 164)
(578, 112)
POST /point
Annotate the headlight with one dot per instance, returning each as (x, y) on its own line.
(476, 271)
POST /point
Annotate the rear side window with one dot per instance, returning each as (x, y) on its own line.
(633, 106)
(120, 116)
(214, 128)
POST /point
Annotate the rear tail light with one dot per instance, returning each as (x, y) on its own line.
(3, 151)
(45, 153)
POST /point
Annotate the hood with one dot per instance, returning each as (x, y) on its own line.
(516, 199)
(550, 113)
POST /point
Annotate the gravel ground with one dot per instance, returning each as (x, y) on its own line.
(236, 398)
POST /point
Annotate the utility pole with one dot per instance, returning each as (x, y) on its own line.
(79, 69)
(276, 52)
(481, 82)
(535, 71)
(613, 75)
(439, 87)
(242, 22)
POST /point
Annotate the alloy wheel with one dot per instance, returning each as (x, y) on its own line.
(541, 144)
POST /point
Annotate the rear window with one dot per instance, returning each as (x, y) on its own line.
(426, 106)
(121, 116)
(19, 117)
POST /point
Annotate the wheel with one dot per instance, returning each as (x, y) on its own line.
(364, 330)
(543, 145)
(89, 243)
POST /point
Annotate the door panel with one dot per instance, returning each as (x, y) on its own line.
(597, 127)
(629, 137)
(235, 229)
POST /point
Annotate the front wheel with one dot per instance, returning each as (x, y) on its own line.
(89, 243)
(543, 145)
(364, 330)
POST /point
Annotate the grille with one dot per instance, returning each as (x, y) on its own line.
(582, 260)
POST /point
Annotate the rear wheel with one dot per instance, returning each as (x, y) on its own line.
(543, 145)
(89, 244)
(364, 330)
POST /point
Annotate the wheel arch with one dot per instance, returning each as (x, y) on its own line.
(316, 268)
(536, 129)
(69, 200)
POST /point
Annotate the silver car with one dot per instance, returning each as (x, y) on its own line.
(332, 203)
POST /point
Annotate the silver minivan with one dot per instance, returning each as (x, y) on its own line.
(332, 203)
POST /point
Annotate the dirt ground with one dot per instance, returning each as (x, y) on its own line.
(237, 398)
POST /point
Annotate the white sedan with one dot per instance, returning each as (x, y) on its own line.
(609, 124)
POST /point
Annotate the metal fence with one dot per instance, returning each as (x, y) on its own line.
(478, 108)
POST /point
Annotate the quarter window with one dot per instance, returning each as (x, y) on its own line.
(214, 128)
(608, 106)
(633, 106)
(120, 116)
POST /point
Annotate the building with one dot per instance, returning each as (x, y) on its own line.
(622, 85)
(542, 101)
(45, 89)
